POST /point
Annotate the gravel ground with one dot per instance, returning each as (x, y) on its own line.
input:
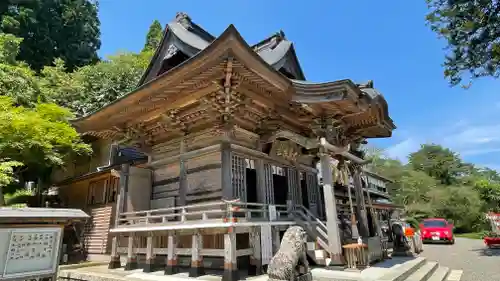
(477, 261)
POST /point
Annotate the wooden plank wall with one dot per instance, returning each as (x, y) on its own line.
(203, 180)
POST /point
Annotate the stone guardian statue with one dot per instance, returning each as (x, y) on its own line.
(284, 265)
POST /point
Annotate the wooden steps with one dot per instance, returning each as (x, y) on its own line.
(97, 229)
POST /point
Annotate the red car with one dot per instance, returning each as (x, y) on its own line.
(437, 230)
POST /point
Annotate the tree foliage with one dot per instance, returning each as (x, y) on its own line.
(66, 29)
(472, 30)
(437, 183)
(153, 37)
(35, 135)
(96, 85)
(40, 138)
(438, 162)
(17, 80)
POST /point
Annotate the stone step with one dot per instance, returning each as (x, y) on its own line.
(423, 273)
(403, 271)
(440, 274)
(454, 275)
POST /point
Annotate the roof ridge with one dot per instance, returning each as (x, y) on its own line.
(185, 21)
(278, 35)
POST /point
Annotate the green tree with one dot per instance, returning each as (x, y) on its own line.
(153, 38)
(437, 183)
(40, 138)
(438, 162)
(66, 29)
(461, 204)
(17, 80)
(7, 175)
(472, 30)
(106, 81)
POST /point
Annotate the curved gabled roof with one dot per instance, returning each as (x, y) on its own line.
(265, 60)
(229, 40)
(185, 36)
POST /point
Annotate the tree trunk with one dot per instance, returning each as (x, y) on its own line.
(2, 199)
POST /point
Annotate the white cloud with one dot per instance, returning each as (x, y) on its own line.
(464, 138)
(402, 149)
(481, 151)
(473, 135)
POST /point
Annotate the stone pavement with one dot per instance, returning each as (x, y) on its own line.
(477, 261)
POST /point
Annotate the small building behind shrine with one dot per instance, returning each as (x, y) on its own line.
(216, 154)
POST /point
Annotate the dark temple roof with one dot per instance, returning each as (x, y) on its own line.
(183, 38)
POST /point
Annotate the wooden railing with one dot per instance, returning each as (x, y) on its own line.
(221, 211)
(315, 228)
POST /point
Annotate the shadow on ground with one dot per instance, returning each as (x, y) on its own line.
(392, 262)
(487, 252)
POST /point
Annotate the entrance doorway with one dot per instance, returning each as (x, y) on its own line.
(303, 189)
(280, 185)
(251, 178)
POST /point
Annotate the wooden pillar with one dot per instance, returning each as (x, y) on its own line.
(354, 225)
(121, 202)
(196, 269)
(230, 265)
(255, 267)
(261, 181)
(360, 203)
(374, 214)
(150, 256)
(172, 266)
(183, 182)
(276, 239)
(334, 241)
(114, 261)
(131, 257)
(227, 186)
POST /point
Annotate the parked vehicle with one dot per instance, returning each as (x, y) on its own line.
(492, 239)
(437, 230)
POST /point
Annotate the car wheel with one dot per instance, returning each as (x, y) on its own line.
(452, 241)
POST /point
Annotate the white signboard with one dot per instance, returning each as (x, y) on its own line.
(28, 252)
(272, 213)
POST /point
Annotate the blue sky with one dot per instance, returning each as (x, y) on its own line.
(386, 41)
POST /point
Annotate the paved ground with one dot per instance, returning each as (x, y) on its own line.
(477, 261)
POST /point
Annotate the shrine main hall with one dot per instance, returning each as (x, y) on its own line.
(233, 138)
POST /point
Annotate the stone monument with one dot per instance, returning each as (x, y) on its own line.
(31, 241)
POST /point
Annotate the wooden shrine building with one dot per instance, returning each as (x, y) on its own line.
(232, 134)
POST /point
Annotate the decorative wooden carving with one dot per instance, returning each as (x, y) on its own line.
(305, 142)
(334, 130)
(285, 149)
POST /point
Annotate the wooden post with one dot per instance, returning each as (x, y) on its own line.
(114, 261)
(227, 185)
(334, 242)
(150, 256)
(255, 267)
(360, 203)
(196, 258)
(276, 239)
(183, 183)
(131, 257)
(172, 267)
(121, 202)
(230, 265)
